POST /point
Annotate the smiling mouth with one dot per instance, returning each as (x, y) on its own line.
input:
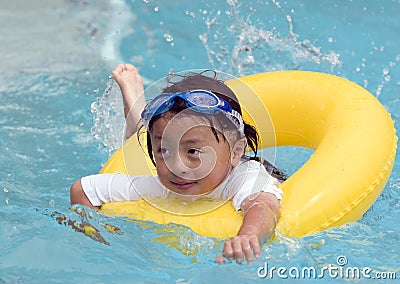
(183, 185)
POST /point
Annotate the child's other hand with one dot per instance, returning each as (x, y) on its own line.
(240, 248)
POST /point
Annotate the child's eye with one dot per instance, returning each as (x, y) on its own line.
(162, 152)
(194, 152)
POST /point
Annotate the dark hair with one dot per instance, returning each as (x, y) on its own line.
(193, 81)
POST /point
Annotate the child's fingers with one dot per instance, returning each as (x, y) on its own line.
(220, 259)
(228, 250)
(247, 251)
(237, 250)
(240, 248)
(256, 247)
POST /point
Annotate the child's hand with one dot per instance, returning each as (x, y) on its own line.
(260, 211)
(240, 248)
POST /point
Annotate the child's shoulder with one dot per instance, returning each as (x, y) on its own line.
(249, 163)
(252, 169)
(248, 166)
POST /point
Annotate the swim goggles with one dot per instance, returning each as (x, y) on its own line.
(201, 101)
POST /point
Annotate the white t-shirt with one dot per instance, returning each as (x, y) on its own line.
(245, 179)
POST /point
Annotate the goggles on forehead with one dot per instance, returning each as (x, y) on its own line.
(201, 101)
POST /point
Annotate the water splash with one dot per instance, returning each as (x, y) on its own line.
(109, 123)
(235, 45)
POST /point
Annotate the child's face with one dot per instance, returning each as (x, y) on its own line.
(189, 158)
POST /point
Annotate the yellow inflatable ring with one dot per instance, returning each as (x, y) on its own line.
(351, 132)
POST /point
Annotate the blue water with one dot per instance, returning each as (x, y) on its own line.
(56, 126)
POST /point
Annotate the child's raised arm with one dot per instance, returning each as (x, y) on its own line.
(261, 212)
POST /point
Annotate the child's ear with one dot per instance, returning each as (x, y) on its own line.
(238, 151)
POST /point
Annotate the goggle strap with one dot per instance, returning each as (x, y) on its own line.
(239, 118)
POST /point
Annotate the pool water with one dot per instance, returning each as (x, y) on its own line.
(57, 124)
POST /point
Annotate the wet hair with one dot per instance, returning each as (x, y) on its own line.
(194, 81)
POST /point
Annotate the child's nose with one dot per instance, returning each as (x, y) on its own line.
(178, 166)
